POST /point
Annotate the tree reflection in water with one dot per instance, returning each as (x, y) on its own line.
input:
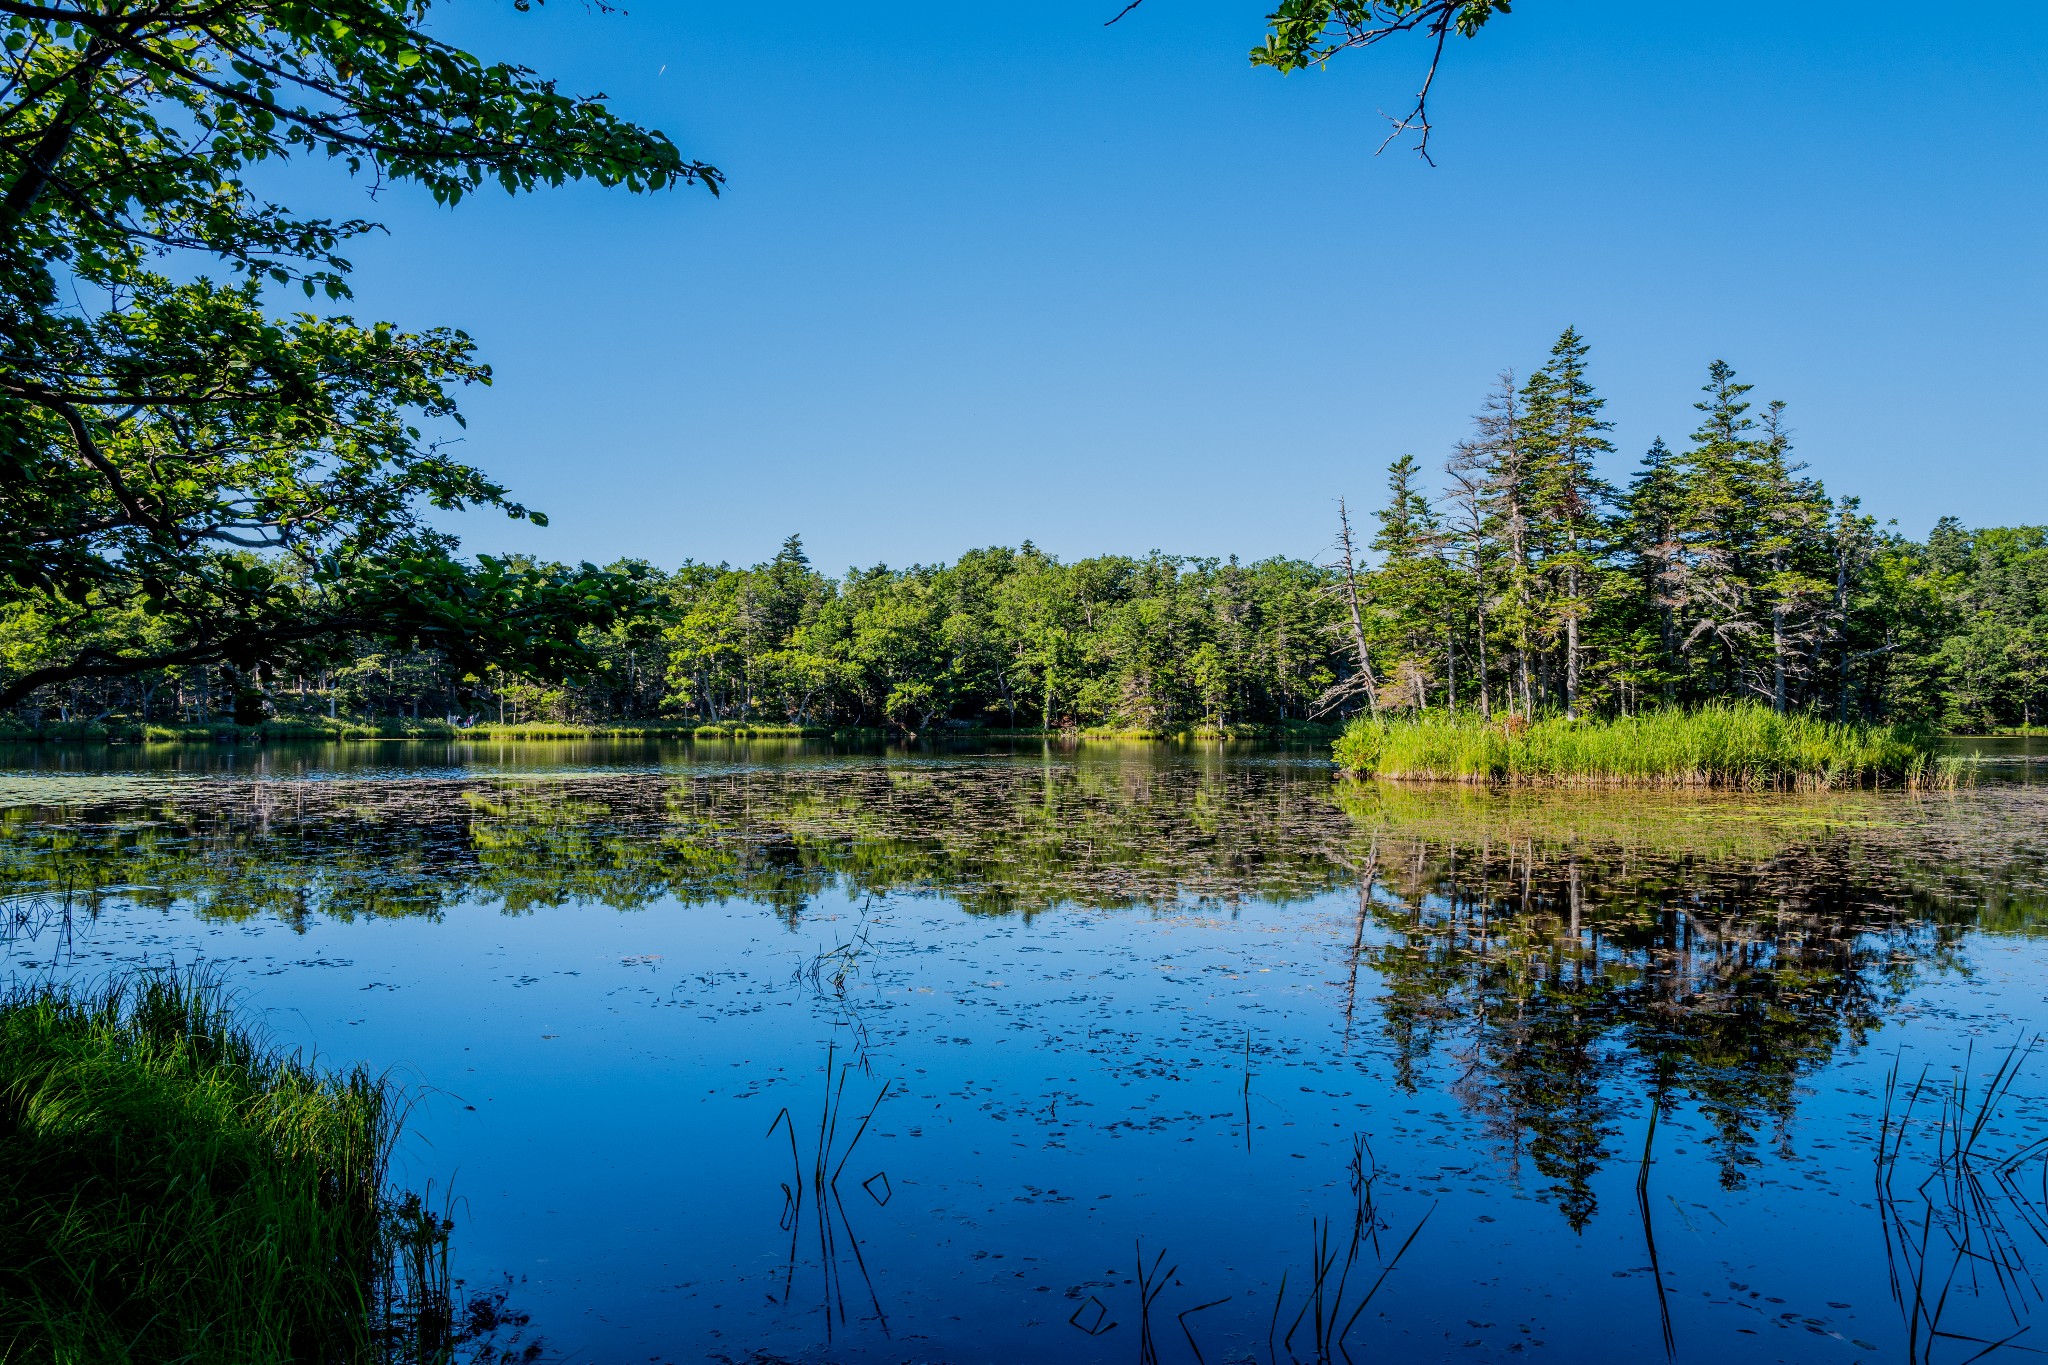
(1567, 957)
(1696, 953)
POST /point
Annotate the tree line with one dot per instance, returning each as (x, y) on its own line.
(1719, 571)
(1528, 583)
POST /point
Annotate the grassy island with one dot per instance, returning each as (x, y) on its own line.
(1742, 747)
(171, 1188)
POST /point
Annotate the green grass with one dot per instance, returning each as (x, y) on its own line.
(1295, 730)
(318, 729)
(1745, 747)
(173, 1189)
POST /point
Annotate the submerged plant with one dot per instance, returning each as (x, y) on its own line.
(1968, 1230)
(1331, 1302)
(819, 1189)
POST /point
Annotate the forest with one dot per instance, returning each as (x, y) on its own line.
(1525, 581)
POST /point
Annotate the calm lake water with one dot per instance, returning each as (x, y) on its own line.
(1126, 1052)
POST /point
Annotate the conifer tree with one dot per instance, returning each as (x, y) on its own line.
(1346, 585)
(1707, 589)
(1567, 436)
(1852, 542)
(1497, 458)
(1791, 521)
(1650, 515)
(1750, 577)
(1472, 541)
(1409, 586)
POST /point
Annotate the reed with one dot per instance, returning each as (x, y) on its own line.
(1743, 747)
(172, 1188)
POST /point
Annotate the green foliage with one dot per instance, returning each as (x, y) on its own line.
(188, 478)
(1303, 33)
(1721, 573)
(171, 1189)
(1744, 746)
(1004, 638)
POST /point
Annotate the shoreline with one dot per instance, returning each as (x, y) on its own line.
(352, 732)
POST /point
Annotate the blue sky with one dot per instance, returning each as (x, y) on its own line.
(990, 273)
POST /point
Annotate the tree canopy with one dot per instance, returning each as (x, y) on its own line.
(189, 477)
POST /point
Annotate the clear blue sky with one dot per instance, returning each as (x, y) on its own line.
(986, 273)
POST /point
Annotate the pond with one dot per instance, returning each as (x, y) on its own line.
(782, 1052)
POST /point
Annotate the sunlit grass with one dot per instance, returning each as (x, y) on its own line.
(1745, 747)
(319, 729)
(173, 1189)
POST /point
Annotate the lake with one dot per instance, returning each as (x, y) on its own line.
(779, 1051)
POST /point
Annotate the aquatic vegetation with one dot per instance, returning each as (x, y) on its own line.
(1108, 828)
(1322, 1322)
(1960, 1228)
(834, 1225)
(1503, 983)
(1745, 747)
(1550, 942)
(173, 1189)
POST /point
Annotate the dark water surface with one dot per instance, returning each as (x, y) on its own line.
(1061, 1017)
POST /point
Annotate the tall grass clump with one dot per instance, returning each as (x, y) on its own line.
(174, 1189)
(1741, 746)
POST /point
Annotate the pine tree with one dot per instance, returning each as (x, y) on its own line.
(1346, 584)
(1408, 524)
(1852, 543)
(1752, 570)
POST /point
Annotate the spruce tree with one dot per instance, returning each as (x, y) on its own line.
(1472, 541)
(1409, 586)
(1650, 517)
(1570, 498)
(1791, 523)
(1498, 459)
(1708, 589)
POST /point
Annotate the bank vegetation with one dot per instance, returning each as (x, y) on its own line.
(1743, 746)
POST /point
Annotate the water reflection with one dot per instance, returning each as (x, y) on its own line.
(1561, 966)
(1001, 839)
(1574, 955)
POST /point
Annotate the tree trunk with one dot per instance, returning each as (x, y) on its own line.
(1778, 658)
(1571, 643)
(1842, 629)
(1485, 705)
(1350, 566)
(1450, 670)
